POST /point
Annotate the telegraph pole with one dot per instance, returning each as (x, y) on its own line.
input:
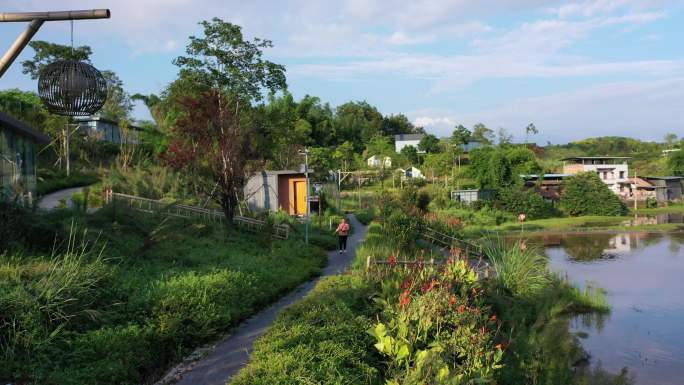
(305, 152)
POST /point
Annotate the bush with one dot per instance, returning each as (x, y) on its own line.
(365, 216)
(586, 194)
(49, 181)
(320, 340)
(519, 268)
(516, 201)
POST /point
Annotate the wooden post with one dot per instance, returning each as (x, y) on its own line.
(368, 262)
(358, 179)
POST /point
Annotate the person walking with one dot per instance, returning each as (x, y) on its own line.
(342, 232)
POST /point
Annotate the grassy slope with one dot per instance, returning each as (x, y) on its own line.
(166, 289)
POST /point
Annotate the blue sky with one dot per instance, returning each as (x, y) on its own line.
(575, 68)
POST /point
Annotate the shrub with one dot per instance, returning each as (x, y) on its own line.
(519, 268)
(365, 216)
(49, 181)
(320, 340)
(586, 194)
(516, 201)
(402, 229)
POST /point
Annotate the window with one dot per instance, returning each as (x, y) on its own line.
(622, 175)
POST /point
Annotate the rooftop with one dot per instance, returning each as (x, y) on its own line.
(402, 137)
(662, 177)
(23, 129)
(535, 176)
(596, 157)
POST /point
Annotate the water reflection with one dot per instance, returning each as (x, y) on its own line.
(658, 219)
(642, 274)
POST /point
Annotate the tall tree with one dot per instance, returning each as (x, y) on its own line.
(231, 74)
(46, 53)
(503, 136)
(461, 136)
(119, 105)
(411, 154)
(429, 144)
(675, 163)
(482, 134)
(398, 124)
(670, 139)
(357, 122)
(531, 129)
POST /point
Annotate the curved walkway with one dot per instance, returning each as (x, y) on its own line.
(232, 354)
(51, 201)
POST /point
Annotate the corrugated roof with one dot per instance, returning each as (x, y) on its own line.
(662, 177)
(403, 137)
(597, 157)
(10, 123)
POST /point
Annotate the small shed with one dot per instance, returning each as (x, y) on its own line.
(471, 195)
(18, 155)
(668, 188)
(282, 190)
(411, 172)
(377, 161)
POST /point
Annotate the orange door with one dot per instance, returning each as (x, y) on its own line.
(300, 198)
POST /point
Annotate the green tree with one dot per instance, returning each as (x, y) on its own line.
(119, 105)
(429, 144)
(502, 166)
(46, 53)
(357, 123)
(380, 146)
(344, 155)
(675, 163)
(586, 194)
(503, 136)
(399, 124)
(515, 201)
(212, 136)
(461, 135)
(411, 155)
(531, 129)
(482, 134)
(670, 139)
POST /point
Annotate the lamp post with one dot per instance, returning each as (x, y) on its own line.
(305, 152)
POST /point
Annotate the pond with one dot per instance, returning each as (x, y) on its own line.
(643, 275)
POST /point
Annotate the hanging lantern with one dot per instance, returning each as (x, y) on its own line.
(72, 88)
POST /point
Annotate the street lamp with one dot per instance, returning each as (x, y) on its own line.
(305, 152)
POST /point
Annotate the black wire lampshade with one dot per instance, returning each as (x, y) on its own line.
(72, 88)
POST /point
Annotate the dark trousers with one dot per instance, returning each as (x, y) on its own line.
(343, 242)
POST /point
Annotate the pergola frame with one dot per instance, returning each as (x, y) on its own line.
(36, 20)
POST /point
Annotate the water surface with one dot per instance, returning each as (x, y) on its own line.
(643, 275)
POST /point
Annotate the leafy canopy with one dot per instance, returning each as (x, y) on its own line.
(223, 59)
(46, 53)
(586, 194)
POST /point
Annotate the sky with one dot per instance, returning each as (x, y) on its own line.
(575, 69)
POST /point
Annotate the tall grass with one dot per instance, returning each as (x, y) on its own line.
(519, 268)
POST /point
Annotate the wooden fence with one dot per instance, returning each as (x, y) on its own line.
(153, 206)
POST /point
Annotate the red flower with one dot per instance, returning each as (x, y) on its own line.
(492, 318)
(461, 308)
(500, 346)
(429, 285)
(483, 330)
(392, 260)
(474, 291)
(404, 299)
(452, 300)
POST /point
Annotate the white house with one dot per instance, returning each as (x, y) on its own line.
(613, 170)
(403, 140)
(376, 161)
(411, 172)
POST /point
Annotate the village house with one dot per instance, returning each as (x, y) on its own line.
(376, 161)
(282, 190)
(410, 173)
(403, 140)
(19, 146)
(106, 130)
(613, 170)
(667, 188)
(550, 186)
(637, 189)
(471, 195)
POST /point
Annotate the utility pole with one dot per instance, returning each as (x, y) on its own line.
(305, 152)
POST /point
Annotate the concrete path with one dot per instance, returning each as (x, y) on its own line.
(232, 354)
(51, 201)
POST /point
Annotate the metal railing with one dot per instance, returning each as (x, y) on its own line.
(152, 206)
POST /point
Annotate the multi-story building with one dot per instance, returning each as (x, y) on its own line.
(403, 140)
(613, 170)
(19, 146)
